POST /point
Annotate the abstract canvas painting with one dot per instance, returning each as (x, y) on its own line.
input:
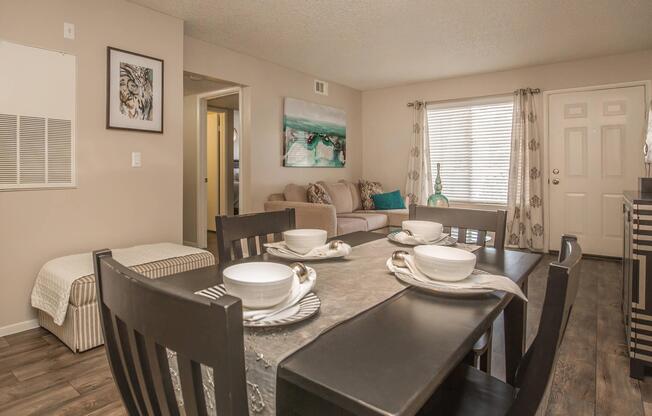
(314, 135)
(134, 91)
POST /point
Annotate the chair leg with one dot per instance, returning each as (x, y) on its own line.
(485, 358)
(481, 353)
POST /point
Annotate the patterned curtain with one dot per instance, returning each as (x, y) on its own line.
(524, 200)
(419, 181)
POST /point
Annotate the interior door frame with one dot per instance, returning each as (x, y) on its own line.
(647, 85)
(202, 108)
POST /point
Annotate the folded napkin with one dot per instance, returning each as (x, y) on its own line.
(444, 240)
(477, 281)
(298, 292)
(322, 251)
(405, 238)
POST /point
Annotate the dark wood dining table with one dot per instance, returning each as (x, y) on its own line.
(390, 359)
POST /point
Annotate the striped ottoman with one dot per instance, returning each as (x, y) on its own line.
(82, 329)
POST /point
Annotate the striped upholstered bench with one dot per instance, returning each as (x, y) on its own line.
(82, 329)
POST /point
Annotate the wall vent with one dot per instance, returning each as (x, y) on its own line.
(321, 87)
(35, 152)
(37, 118)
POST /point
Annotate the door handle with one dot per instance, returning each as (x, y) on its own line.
(555, 181)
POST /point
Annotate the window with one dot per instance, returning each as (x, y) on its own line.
(471, 140)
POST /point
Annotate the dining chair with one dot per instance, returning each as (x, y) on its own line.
(142, 320)
(478, 222)
(242, 236)
(469, 391)
(462, 220)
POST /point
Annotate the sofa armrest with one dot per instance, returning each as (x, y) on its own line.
(309, 215)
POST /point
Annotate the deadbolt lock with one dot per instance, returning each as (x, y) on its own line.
(555, 171)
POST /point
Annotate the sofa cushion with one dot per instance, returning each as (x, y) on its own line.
(317, 194)
(394, 216)
(295, 193)
(388, 200)
(367, 189)
(355, 194)
(340, 195)
(374, 220)
(347, 225)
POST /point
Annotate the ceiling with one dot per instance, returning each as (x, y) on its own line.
(228, 101)
(197, 84)
(369, 44)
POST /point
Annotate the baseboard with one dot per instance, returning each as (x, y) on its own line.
(18, 327)
(191, 243)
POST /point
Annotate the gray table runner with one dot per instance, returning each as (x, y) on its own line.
(346, 287)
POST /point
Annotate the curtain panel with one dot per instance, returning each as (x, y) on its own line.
(524, 200)
(419, 179)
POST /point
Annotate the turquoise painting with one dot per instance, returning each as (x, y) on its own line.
(314, 135)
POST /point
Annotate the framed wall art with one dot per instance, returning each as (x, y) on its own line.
(134, 91)
(314, 135)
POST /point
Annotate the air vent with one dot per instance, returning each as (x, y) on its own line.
(35, 152)
(321, 87)
(32, 150)
(8, 149)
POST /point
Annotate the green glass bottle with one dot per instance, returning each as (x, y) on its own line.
(438, 199)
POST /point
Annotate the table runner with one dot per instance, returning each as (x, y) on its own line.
(346, 287)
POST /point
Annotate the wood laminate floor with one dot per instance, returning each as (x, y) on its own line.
(41, 376)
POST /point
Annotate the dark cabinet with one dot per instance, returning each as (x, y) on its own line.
(637, 281)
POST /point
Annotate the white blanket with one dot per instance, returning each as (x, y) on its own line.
(51, 292)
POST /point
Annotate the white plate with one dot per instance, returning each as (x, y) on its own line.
(307, 307)
(441, 288)
(278, 253)
(444, 240)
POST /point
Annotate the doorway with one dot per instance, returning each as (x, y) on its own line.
(212, 149)
(218, 159)
(595, 142)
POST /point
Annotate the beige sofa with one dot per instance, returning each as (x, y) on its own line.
(344, 216)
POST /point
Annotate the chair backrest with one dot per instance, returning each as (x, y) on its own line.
(536, 369)
(244, 235)
(142, 320)
(464, 220)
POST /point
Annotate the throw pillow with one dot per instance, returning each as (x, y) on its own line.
(389, 200)
(367, 189)
(317, 194)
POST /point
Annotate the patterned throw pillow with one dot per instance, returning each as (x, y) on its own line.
(367, 189)
(317, 194)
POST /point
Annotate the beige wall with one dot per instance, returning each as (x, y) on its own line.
(262, 117)
(212, 166)
(386, 121)
(190, 124)
(114, 205)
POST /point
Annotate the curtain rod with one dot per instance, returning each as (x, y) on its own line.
(420, 103)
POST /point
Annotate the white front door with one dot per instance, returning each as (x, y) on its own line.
(595, 153)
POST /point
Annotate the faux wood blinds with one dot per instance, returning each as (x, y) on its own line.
(35, 152)
(472, 141)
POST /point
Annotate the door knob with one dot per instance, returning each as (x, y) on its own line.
(555, 181)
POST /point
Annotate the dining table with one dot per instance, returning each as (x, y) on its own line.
(390, 357)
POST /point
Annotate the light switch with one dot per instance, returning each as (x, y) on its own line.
(69, 31)
(136, 160)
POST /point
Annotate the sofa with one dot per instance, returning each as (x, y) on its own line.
(345, 215)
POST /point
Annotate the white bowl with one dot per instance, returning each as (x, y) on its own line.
(427, 230)
(304, 240)
(444, 263)
(258, 284)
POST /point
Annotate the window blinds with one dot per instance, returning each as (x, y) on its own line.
(472, 140)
